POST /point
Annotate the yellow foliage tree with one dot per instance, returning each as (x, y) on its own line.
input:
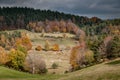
(3, 56)
(17, 58)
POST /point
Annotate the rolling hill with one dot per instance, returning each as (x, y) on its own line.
(103, 71)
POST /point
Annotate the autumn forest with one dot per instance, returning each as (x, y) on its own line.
(46, 42)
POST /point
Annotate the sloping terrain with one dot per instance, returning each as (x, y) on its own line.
(9, 74)
(101, 71)
(104, 71)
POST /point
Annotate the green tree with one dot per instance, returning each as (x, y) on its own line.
(113, 48)
(89, 57)
(94, 46)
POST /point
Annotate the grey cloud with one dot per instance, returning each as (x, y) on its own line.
(108, 8)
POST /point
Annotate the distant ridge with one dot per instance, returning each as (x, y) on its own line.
(19, 17)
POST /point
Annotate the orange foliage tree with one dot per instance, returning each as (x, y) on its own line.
(73, 57)
(24, 41)
(38, 48)
(80, 56)
(55, 47)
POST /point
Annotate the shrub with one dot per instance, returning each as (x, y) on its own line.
(66, 72)
(42, 35)
(47, 45)
(54, 66)
(38, 48)
(55, 47)
(35, 64)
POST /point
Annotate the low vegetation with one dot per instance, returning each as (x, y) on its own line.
(38, 48)
(114, 62)
(54, 66)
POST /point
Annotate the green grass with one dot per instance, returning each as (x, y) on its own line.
(114, 62)
(106, 76)
(9, 74)
(101, 71)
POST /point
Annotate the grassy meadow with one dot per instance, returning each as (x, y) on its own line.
(103, 71)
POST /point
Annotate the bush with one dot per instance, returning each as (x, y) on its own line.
(35, 64)
(17, 59)
(54, 66)
(66, 72)
(55, 47)
(47, 45)
(42, 35)
(38, 48)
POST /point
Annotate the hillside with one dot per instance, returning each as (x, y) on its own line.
(19, 17)
(8, 74)
(40, 41)
(101, 71)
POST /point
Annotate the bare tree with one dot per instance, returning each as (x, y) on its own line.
(34, 63)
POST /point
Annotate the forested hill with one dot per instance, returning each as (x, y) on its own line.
(19, 17)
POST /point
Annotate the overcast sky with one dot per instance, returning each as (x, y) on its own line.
(101, 8)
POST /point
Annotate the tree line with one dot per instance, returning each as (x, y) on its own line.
(19, 17)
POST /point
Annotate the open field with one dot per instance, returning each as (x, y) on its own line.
(59, 57)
